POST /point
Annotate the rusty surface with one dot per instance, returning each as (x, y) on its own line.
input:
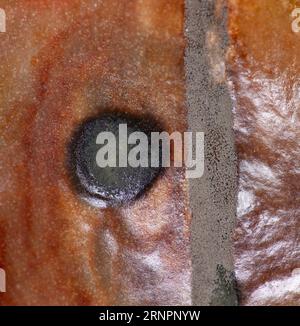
(61, 62)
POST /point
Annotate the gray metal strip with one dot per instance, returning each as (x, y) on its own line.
(213, 196)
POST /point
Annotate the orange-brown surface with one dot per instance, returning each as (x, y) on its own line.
(264, 69)
(62, 61)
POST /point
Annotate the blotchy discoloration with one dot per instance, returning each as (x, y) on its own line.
(264, 68)
(62, 62)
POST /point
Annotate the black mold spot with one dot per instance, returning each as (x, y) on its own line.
(110, 186)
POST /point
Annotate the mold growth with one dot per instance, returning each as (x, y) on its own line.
(224, 293)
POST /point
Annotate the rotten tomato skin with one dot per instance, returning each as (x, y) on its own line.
(263, 70)
(65, 62)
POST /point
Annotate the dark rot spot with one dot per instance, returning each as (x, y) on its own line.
(104, 186)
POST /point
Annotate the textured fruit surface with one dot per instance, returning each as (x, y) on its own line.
(61, 62)
(264, 68)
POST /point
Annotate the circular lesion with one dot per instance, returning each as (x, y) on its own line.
(111, 184)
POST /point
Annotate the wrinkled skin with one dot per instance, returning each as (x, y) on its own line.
(62, 61)
(264, 69)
